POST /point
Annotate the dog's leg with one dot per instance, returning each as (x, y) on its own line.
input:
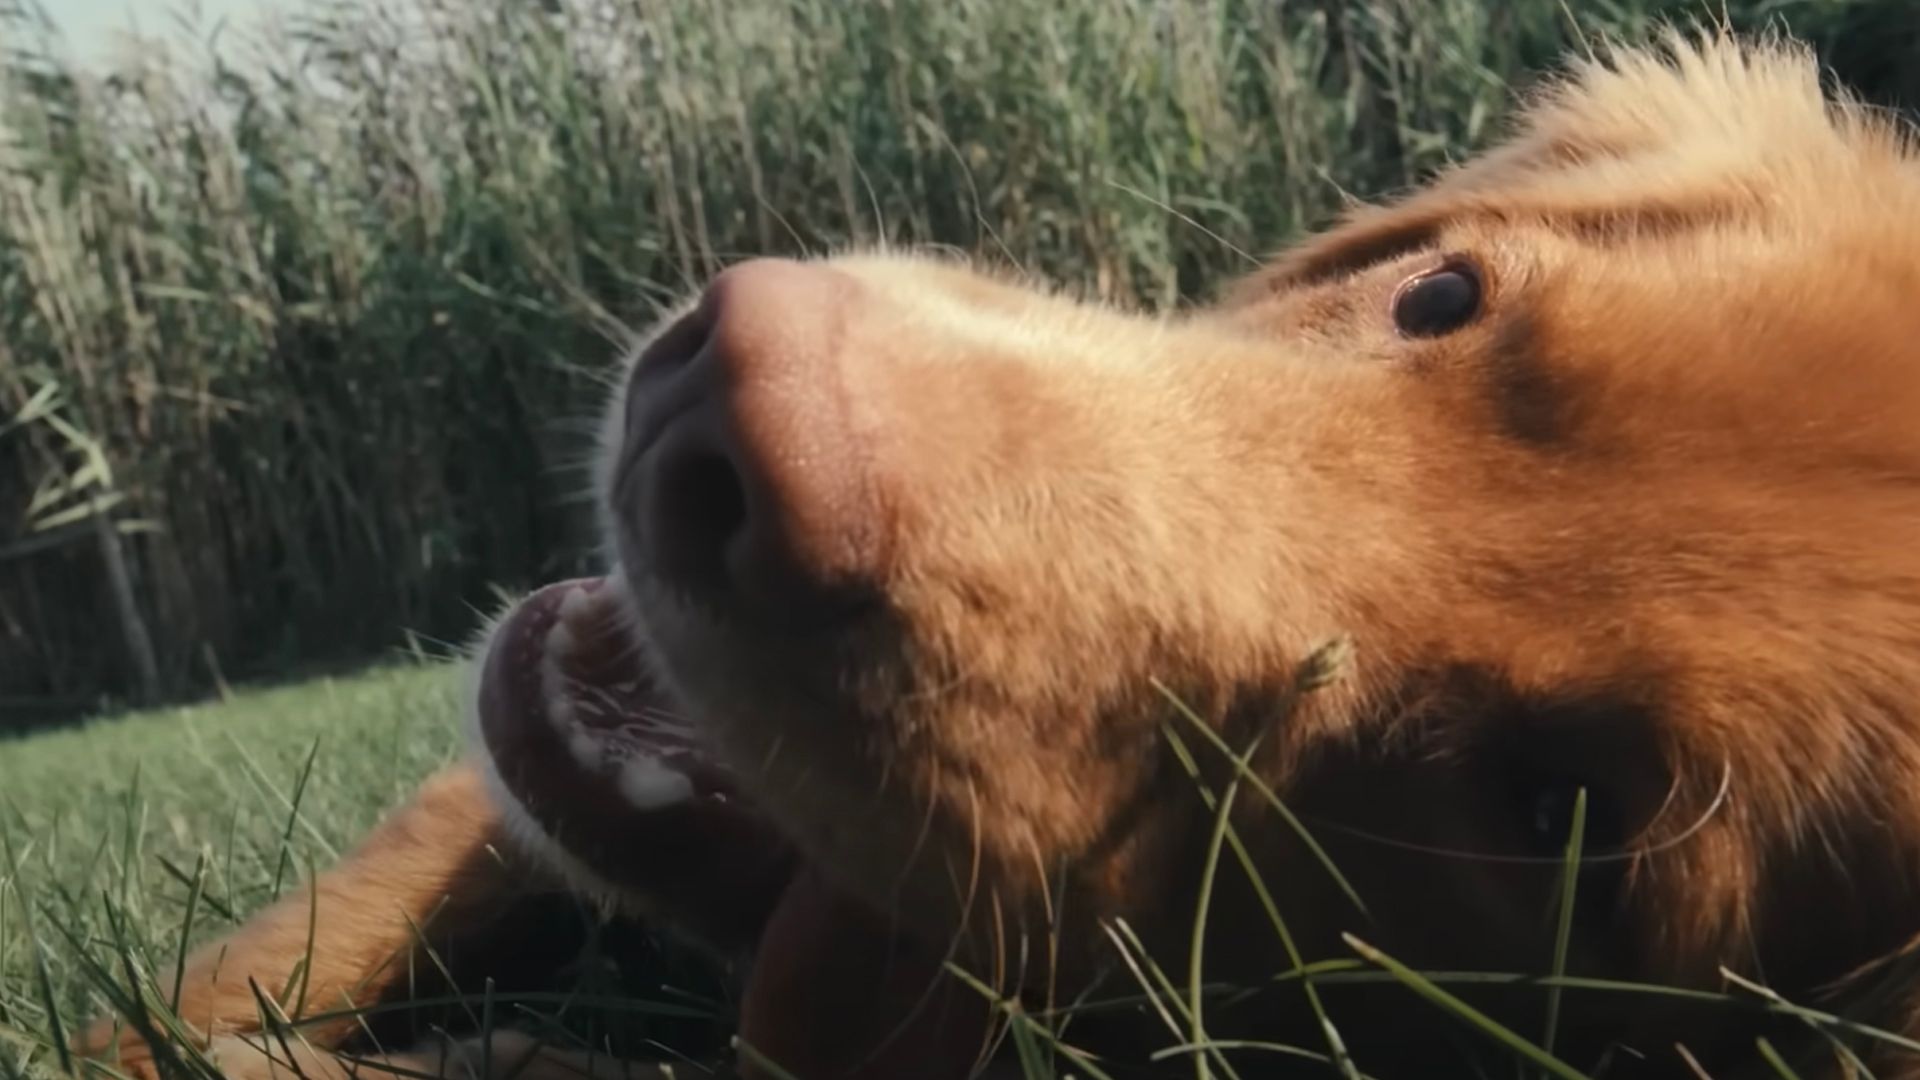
(437, 866)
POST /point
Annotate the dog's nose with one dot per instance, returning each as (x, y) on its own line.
(749, 482)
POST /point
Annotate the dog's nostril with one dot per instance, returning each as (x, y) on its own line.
(678, 346)
(752, 486)
(700, 510)
(705, 492)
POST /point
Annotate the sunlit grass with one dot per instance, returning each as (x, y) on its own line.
(129, 840)
(120, 813)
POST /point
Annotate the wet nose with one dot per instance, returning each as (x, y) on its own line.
(749, 482)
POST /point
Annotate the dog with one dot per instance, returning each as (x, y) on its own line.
(1519, 577)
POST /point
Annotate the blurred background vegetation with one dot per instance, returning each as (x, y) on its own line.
(298, 330)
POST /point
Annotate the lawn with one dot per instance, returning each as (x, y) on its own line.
(109, 823)
(106, 828)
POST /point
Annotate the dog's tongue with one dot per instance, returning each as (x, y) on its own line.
(585, 743)
(836, 996)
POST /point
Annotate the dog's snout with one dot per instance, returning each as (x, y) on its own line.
(750, 483)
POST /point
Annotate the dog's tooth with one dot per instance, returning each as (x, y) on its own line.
(561, 641)
(587, 750)
(577, 604)
(649, 784)
(553, 684)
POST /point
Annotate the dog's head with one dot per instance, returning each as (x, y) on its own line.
(1601, 454)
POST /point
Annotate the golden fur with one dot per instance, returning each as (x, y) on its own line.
(1648, 525)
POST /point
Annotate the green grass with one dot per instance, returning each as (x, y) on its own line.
(104, 830)
(117, 815)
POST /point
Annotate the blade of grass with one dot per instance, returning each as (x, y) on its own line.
(1335, 1044)
(1019, 1017)
(1563, 935)
(186, 931)
(1775, 1061)
(1474, 1018)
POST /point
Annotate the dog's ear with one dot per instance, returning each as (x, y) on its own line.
(1682, 118)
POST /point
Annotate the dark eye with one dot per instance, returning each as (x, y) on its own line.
(1437, 301)
(1549, 805)
(1550, 816)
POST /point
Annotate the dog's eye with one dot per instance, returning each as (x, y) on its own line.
(1438, 301)
(1549, 809)
(1550, 815)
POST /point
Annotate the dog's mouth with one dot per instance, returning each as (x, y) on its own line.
(589, 759)
(614, 782)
